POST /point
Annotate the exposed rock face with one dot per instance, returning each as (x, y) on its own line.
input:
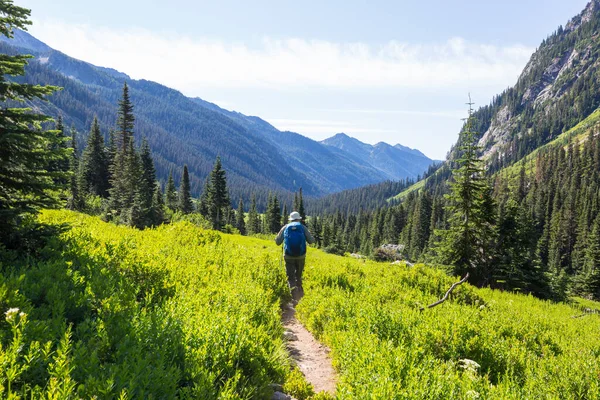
(554, 70)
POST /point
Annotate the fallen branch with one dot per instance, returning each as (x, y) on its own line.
(587, 311)
(443, 299)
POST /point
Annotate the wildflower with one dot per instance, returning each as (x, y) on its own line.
(11, 314)
(469, 365)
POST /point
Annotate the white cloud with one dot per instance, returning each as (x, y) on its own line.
(451, 114)
(321, 128)
(192, 64)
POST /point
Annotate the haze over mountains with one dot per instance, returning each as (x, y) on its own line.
(191, 131)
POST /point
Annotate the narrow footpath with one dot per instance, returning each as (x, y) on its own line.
(311, 356)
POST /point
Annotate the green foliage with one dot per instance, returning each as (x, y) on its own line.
(297, 387)
(481, 343)
(217, 202)
(30, 156)
(467, 243)
(94, 179)
(184, 197)
(171, 312)
(171, 193)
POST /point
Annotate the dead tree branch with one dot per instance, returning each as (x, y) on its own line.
(443, 299)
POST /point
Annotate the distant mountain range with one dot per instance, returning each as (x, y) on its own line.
(191, 131)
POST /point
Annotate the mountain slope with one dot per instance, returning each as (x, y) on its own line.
(395, 161)
(558, 89)
(182, 130)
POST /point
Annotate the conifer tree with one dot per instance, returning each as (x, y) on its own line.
(240, 221)
(273, 215)
(27, 151)
(171, 193)
(203, 202)
(218, 196)
(61, 166)
(253, 225)
(284, 216)
(466, 243)
(300, 208)
(94, 164)
(158, 206)
(75, 201)
(185, 204)
(123, 170)
(147, 183)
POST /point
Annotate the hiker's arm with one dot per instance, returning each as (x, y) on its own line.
(309, 237)
(279, 237)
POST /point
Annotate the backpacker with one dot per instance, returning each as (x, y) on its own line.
(294, 242)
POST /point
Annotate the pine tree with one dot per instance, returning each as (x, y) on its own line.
(218, 196)
(466, 244)
(27, 151)
(300, 208)
(273, 215)
(133, 212)
(171, 193)
(240, 222)
(61, 166)
(203, 203)
(147, 183)
(125, 120)
(158, 206)
(253, 218)
(285, 215)
(123, 170)
(184, 203)
(75, 201)
(94, 164)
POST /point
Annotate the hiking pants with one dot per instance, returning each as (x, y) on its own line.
(294, 268)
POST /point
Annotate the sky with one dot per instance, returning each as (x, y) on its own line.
(384, 70)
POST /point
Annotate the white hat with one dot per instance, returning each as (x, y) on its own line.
(295, 216)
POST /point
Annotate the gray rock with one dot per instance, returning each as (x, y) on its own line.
(280, 396)
(290, 336)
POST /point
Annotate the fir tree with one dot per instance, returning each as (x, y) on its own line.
(171, 193)
(75, 201)
(253, 225)
(123, 170)
(300, 208)
(240, 221)
(466, 243)
(61, 166)
(218, 196)
(27, 151)
(158, 206)
(147, 183)
(184, 203)
(284, 216)
(94, 164)
(203, 202)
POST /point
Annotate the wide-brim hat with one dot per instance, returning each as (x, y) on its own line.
(295, 216)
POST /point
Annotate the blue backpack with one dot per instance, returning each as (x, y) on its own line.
(294, 242)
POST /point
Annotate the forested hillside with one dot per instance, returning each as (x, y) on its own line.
(522, 184)
(182, 130)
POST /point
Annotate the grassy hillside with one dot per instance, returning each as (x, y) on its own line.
(163, 313)
(578, 134)
(385, 348)
(177, 311)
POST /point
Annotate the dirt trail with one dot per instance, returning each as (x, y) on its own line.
(311, 356)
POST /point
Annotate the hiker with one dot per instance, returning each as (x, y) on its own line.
(294, 237)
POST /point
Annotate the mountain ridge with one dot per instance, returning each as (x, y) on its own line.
(183, 130)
